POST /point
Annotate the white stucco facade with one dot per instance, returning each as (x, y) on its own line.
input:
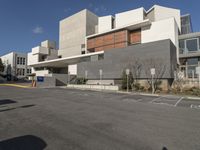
(105, 23)
(18, 63)
(128, 17)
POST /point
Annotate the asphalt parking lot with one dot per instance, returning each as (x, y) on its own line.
(67, 119)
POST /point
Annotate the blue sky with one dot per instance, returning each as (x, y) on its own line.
(25, 23)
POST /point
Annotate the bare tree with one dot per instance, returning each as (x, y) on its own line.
(136, 66)
(160, 70)
(179, 80)
(1, 66)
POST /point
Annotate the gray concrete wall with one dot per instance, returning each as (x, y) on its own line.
(48, 82)
(116, 60)
(61, 79)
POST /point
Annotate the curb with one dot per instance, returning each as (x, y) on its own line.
(15, 85)
(193, 98)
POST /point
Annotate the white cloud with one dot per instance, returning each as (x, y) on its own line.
(38, 30)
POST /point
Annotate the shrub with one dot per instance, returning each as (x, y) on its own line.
(81, 81)
(124, 80)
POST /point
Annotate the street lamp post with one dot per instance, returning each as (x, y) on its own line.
(68, 77)
(86, 74)
(198, 72)
(100, 76)
(127, 82)
(153, 72)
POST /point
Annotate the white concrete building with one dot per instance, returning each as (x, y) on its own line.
(85, 37)
(45, 52)
(16, 65)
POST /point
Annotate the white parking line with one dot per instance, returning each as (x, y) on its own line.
(178, 101)
(195, 106)
(156, 99)
(163, 104)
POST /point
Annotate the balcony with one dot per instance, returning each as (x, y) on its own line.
(40, 50)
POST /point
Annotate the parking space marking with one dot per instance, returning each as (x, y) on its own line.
(155, 99)
(195, 106)
(163, 104)
(178, 101)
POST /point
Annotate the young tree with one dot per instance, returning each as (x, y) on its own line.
(124, 80)
(160, 70)
(136, 67)
(179, 80)
(1, 66)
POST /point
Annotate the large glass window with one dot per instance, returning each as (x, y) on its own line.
(18, 60)
(192, 61)
(24, 61)
(192, 45)
(182, 46)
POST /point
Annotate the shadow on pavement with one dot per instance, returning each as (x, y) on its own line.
(6, 101)
(27, 142)
(13, 108)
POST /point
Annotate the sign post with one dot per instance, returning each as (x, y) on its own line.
(153, 72)
(100, 75)
(68, 77)
(127, 74)
(86, 74)
(198, 72)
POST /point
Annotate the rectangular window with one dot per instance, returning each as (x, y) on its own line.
(101, 57)
(23, 61)
(23, 72)
(18, 60)
(192, 45)
(182, 46)
(199, 43)
(192, 71)
(192, 61)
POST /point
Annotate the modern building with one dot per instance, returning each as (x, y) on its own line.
(189, 53)
(16, 65)
(45, 52)
(109, 43)
(186, 24)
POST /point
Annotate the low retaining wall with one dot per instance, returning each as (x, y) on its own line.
(48, 82)
(94, 87)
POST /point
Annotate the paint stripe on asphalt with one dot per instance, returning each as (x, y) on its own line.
(178, 101)
(155, 99)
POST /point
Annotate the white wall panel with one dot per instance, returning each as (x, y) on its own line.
(129, 17)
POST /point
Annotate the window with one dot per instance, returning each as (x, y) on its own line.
(192, 61)
(199, 42)
(23, 72)
(192, 45)
(191, 71)
(18, 60)
(24, 61)
(82, 45)
(82, 52)
(182, 46)
(28, 71)
(101, 56)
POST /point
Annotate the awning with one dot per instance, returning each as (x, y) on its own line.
(64, 62)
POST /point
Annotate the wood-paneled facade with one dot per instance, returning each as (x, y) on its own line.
(118, 39)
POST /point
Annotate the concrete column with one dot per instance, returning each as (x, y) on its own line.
(186, 70)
